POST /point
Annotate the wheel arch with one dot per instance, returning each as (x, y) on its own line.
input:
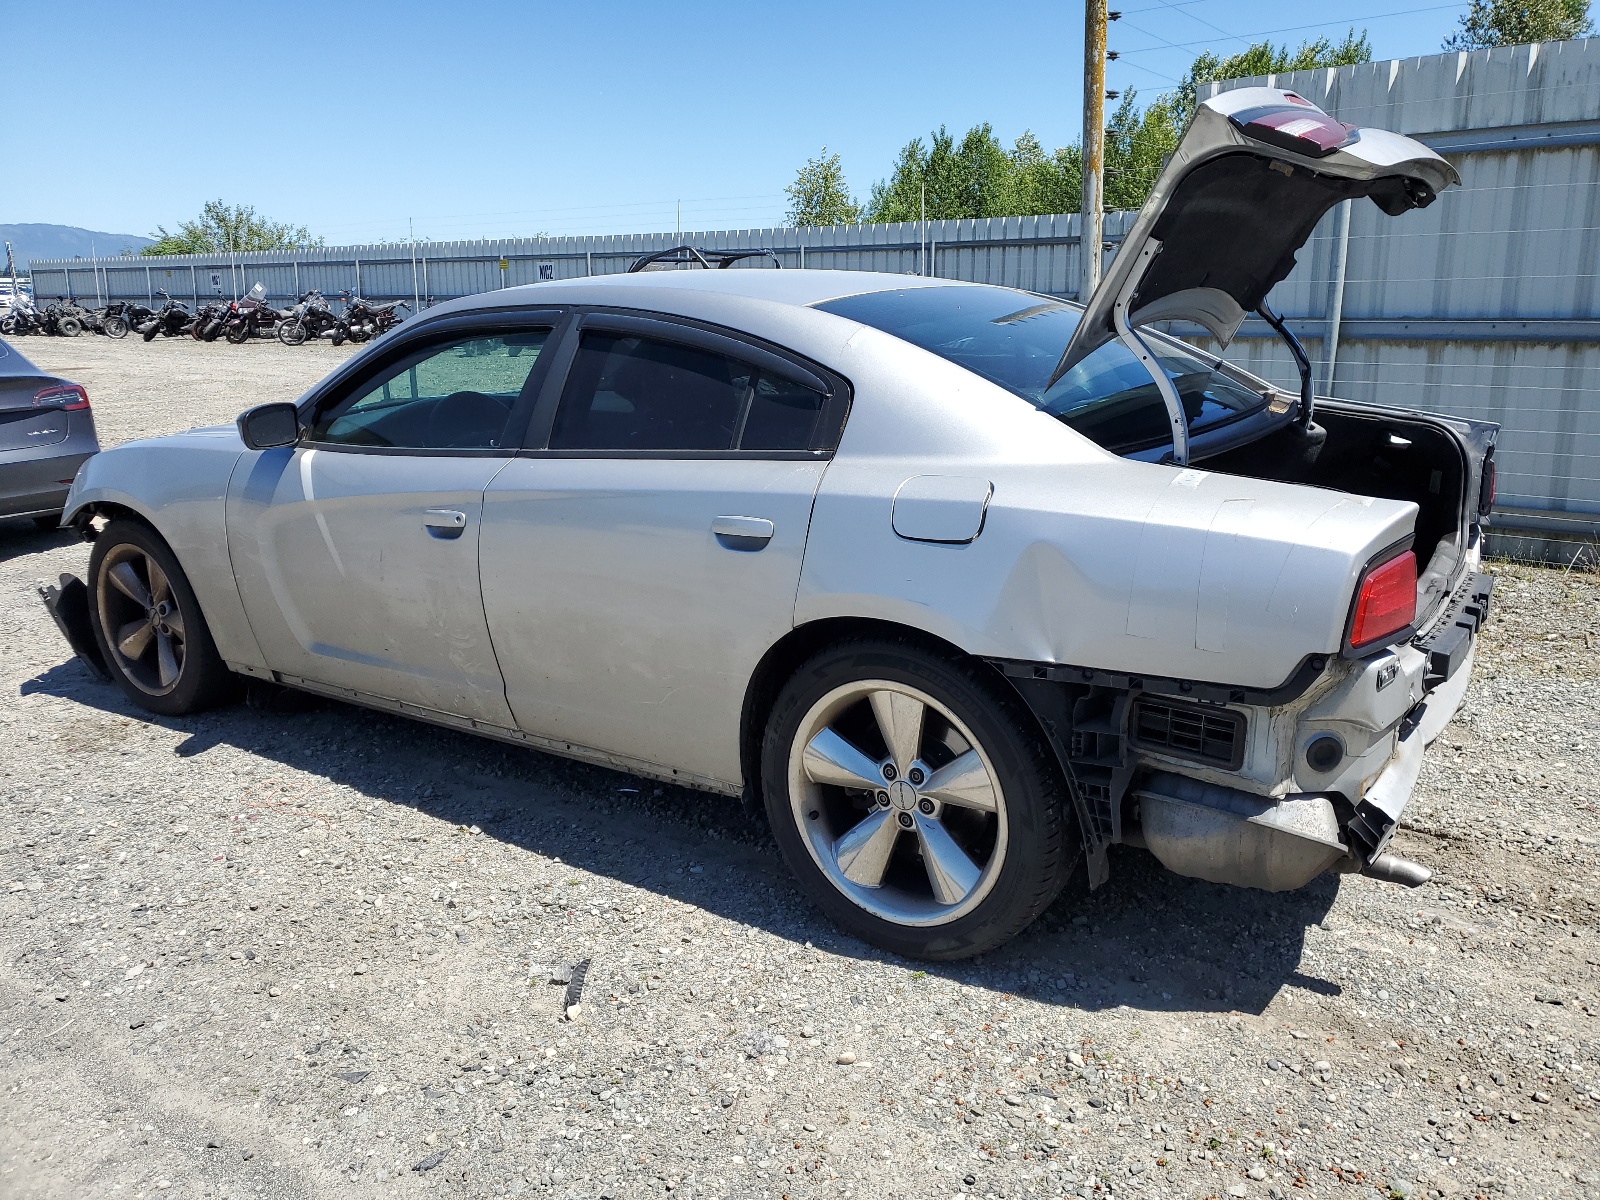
(786, 655)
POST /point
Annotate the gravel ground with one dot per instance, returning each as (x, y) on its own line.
(325, 952)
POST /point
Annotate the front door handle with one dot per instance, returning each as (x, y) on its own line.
(742, 533)
(444, 522)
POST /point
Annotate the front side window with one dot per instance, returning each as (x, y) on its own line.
(455, 396)
(1015, 339)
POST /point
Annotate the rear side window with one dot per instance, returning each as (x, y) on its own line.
(627, 392)
(783, 415)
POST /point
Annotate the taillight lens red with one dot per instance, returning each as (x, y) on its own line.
(61, 395)
(1387, 601)
(1301, 127)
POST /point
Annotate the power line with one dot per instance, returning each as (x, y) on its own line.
(1244, 37)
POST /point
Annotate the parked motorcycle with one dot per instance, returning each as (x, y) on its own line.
(173, 319)
(363, 320)
(311, 318)
(253, 316)
(23, 319)
(121, 316)
(209, 321)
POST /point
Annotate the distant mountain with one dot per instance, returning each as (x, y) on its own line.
(64, 241)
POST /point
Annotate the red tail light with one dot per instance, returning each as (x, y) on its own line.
(1387, 601)
(1300, 126)
(61, 395)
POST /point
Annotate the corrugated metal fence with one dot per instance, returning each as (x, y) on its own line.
(1037, 253)
(1485, 304)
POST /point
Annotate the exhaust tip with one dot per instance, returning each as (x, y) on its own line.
(1391, 868)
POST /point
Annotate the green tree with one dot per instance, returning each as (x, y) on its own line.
(1515, 22)
(975, 177)
(222, 227)
(969, 179)
(819, 195)
(1044, 183)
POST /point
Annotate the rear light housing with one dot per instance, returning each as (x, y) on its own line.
(68, 396)
(1386, 603)
(1299, 126)
(1486, 488)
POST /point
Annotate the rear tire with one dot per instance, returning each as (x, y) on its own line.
(978, 844)
(148, 624)
(69, 327)
(291, 333)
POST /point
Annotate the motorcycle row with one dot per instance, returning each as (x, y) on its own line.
(312, 317)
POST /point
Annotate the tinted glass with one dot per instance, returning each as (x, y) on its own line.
(783, 415)
(632, 393)
(1015, 340)
(455, 396)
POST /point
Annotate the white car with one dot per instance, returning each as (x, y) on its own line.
(963, 584)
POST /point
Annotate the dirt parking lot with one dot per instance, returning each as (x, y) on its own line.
(324, 952)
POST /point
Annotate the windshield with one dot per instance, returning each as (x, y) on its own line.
(1015, 339)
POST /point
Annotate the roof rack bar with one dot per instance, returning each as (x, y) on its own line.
(690, 256)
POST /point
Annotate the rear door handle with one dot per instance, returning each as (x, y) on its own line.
(444, 522)
(742, 533)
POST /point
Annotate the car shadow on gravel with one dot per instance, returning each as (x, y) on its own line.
(20, 536)
(1146, 940)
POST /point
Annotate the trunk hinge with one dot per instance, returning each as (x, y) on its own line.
(1130, 338)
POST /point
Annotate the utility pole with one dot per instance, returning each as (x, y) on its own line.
(416, 294)
(1094, 145)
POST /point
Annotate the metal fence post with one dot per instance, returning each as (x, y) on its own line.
(1341, 255)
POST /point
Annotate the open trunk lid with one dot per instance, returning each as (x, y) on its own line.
(1255, 171)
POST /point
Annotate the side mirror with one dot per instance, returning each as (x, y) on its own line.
(269, 425)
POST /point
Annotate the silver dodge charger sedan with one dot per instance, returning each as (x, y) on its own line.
(963, 584)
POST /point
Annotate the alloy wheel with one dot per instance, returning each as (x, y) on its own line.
(143, 623)
(897, 803)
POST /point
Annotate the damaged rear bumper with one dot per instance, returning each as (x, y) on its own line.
(1226, 835)
(68, 605)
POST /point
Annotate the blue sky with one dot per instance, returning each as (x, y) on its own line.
(481, 119)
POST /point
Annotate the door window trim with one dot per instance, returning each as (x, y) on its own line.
(700, 335)
(364, 370)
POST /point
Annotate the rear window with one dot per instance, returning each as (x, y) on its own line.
(1015, 339)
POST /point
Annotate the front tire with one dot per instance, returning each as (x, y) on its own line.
(291, 333)
(115, 327)
(913, 801)
(69, 327)
(148, 624)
